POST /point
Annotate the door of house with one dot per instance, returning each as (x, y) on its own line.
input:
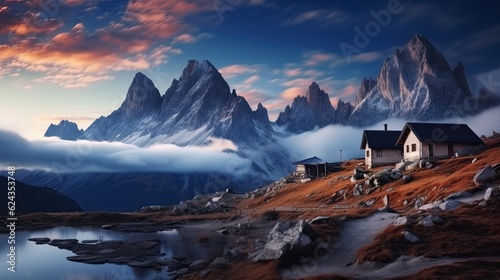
(450, 150)
(431, 150)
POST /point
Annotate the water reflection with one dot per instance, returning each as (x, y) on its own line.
(48, 262)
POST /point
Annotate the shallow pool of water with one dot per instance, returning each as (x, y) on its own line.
(42, 262)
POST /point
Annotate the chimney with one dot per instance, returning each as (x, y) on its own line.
(385, 126)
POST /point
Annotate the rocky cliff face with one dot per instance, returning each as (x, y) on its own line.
(365, 87)
(416, 83)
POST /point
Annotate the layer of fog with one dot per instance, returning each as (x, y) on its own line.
(327, 142)
(54, 154)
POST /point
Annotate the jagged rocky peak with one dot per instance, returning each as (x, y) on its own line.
(366, 86)
(65, 130)
(261, 114)
(142, 98)
(308, 112)
(423, 51)
(316, 96)
(195, 69)
(186, 73)
(416, 83)
(459, 73)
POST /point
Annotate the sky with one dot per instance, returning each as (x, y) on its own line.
(75, 59)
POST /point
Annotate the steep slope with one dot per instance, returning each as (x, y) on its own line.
(141, 103)
(65, 130)
(416, 83)
(365, 87)
(314, 110)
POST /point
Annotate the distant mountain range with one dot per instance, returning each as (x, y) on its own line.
(416, 83)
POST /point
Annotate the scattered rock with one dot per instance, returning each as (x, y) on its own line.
(483, 203)
(410, 236)
(484, 175)
(474, 160)
(407, 178)
(450, 205)
(142, 264)
(428, 165)
(491, 192)
(402, 221)
(219, 263)
(90, 241)
(427, 207)
(412, 166)
(40, 240)
(418, 203)
(360, 170)
(370, 203)
(358, 190)
(198, 265)
(431, 220)
(385, 200)
(389, 189)
(496, 168)
(426, 222)
(405, 202)
(457, 195)
(223, 231)
(319, 220)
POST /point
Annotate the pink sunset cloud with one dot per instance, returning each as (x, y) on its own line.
(237, 69)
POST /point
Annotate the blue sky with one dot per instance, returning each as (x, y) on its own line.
(74, 59)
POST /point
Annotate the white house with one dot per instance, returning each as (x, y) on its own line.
(380, 147)
(435, 140)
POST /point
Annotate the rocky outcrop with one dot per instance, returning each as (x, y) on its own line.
(283, 239)
(484, 175)
(366, 86)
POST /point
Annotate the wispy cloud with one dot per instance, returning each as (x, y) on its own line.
(318, 18)
(237, 69)
(53, 154)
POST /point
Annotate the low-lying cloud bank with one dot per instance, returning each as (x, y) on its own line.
(327, 142)
(56, 155)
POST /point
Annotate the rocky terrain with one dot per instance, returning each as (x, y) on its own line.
(437, 218)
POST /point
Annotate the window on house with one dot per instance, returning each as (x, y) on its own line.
(407, 148)
(379, 153)
(367, 154)
(413, 147)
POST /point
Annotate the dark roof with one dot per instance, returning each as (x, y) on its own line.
(311, 160)
(381, 139)
(440, 133)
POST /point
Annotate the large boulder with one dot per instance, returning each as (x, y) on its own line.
(484, 175)
(450, 205)
(284, 238)
(412, 166)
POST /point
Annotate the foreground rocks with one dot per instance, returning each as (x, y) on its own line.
(283, 239)
(485, 175)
